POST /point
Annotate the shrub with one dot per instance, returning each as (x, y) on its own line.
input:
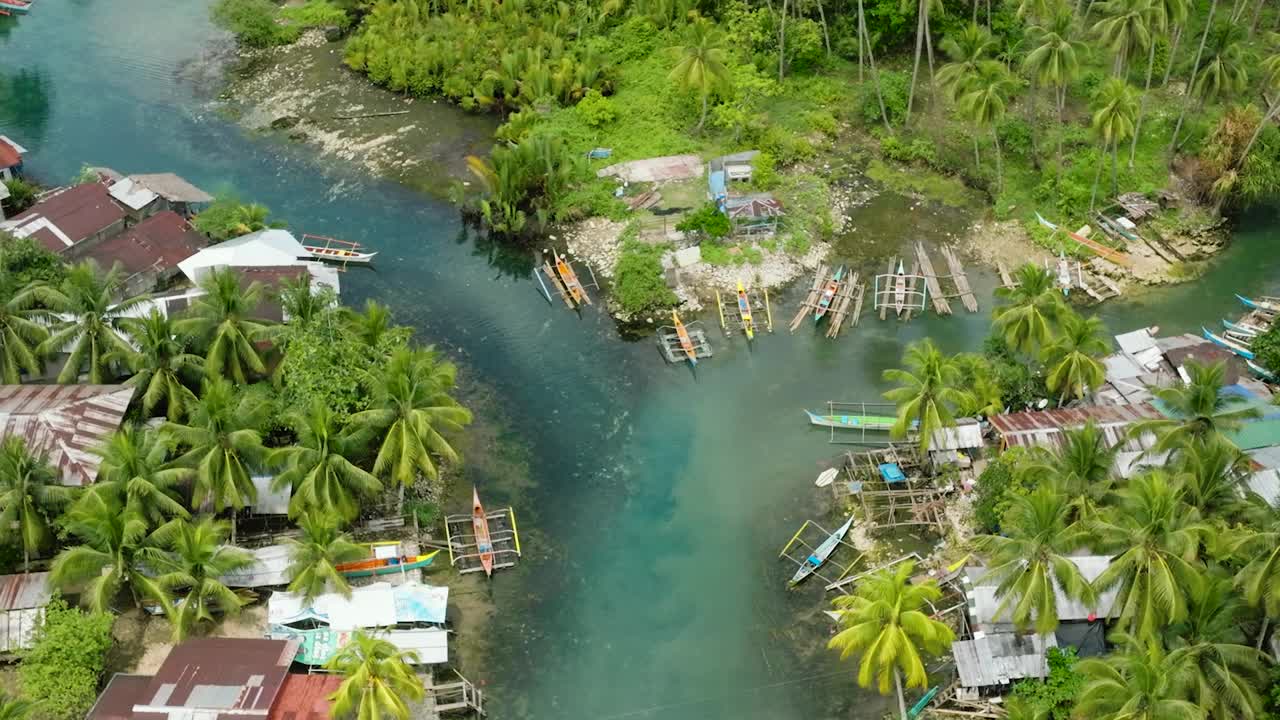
(893, 86)
(707, 221)
(595, 109)
(822, 121)
(22, 195)
(253, 22)
(65, 663)
(317, 13)
(639, 285)
(325, 360)
(805, 49)
(1267, 348)
(227, 217)
(26, 260)
(996, 486)
(764, 172)
(1056, 695)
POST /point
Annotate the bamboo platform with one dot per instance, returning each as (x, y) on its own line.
(673, 351)
(840, 305)
(883, 302)
(961, 280)
(810, 303)
(857, 304)
(940, 303)
(1006, 280)
(504, 536)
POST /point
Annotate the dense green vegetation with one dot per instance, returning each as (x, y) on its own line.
(1194, 559)
(65, 662)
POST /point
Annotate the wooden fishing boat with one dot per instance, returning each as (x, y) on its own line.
(1263, 305)
(821, 553)
(570, 280)
(333, 249)
(387, 566)
(853, 422)
(14, 7)
(828, 294)
(1260, 371)
(686, 342)
(1098, 249)
(1243, 328)
(900, 288)
(480, 526)
(1227, 343)
(744, 309)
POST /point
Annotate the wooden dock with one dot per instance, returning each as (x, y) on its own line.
(857, 304)
(810, 303)
(961, 280)
(457, 696)
(840, 305)
(1006, 280)
(940, 304)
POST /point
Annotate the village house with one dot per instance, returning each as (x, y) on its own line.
(65, 423)
(10, 158)
(71, 220)
(150, 251)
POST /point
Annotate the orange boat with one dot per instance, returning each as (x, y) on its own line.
(686, 342)
(570, 280)
(480, 525)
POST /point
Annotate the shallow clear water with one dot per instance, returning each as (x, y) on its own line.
(660, 496)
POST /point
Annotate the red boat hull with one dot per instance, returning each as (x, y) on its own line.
(480, 526)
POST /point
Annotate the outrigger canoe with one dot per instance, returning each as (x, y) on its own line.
(900, 289)
(744, 309)
(1260, 371)
(570, 280)
(480, 526)
(821, 553)
(1235, 346)
(336, 254)
(828, 294)
(386, 566)
(14, 7)
(1262, 305)
(686, 343)
(1243, 328)
(853, 422)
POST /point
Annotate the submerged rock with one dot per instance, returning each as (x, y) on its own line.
(284, 122)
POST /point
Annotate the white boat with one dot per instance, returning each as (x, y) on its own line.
(341, 255)
(827, 477)
(900, 289)
(821, 553)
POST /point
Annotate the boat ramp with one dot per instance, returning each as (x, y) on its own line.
(846, 303)
(464, 554)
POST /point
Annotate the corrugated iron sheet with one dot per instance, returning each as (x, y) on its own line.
(65, 422)
(227, 677)
(19, 592)
(984, 602)
(1044, 427)
(1000, 658)
(304, 697)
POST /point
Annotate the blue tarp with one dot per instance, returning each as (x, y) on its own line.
(719, 191)
(891, 472)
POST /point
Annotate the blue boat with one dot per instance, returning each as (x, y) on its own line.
(1260, 371)
(1234, 346)
(1262, 305)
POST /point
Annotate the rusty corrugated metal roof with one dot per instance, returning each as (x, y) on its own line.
(231, 678)
(304, 697)
(23, 591)
(65, 422)
(1044, 427)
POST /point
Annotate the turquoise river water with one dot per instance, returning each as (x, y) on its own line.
(657, 498)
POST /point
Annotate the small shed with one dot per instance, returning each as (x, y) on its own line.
(270, 568)
(984, 600)
(22, 601)
(1000, 658)
(175, 193)
(754, 215)
(737, 167)
(10, 158)
(1045, 428)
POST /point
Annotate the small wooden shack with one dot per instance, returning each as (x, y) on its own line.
(754, 215)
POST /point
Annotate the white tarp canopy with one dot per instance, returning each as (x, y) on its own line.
(131, 194)
(265, 248)
(376, 605)
(270, 568)
(270, 502)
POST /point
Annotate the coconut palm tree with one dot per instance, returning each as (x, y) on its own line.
(1257, 544)
(1175, 14)
(1073, 357)
(319, 467)
(1029, 561)
(1125, 28)
(1198, 410)
(1155, 540)
(927, 394)
(135, 473)
(377, 680)
(1209, 470)
(1054, 59)
(1140, 682)
(1226, 68)
(1195, 68)
(1080, 468)
(90, 326)
(303, 303)
(22, 328)
(31, 497)
(108, 558)
(1224, 673)
(984, 103)
(222, 322)
(161, 365)
(313, 557)
(1163, 12)
(1115, 109)
(967, 50)
(411, 408)
(923, 9)
(372, 325)
(701, 67)
(864, 42)
(192, 565)
(15, 708)
(1271, 82)
(222, 444)
(885, 621)
(1031, 308)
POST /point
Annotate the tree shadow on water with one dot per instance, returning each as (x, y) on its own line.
(25, 98)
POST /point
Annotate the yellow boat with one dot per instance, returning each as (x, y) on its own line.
(744, 308)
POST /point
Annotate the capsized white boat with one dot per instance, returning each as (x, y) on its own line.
(827, 477)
